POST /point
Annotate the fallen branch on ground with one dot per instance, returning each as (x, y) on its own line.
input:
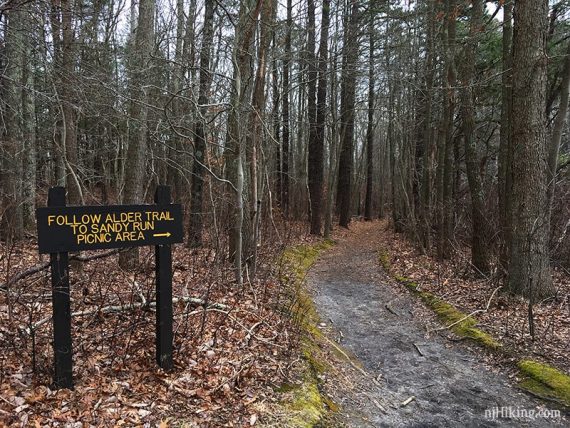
(478, 311)
(123, 308)
(44, 266)
(339, 349)
(419, 350)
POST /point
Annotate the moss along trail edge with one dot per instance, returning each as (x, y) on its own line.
(412, 379)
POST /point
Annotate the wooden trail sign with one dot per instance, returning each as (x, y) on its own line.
(62, 229)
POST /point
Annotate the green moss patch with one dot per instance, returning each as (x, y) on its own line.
(384, 259)
(305, 404)
(538, 378)
(461, 324)
(299, 259)
(545, 380)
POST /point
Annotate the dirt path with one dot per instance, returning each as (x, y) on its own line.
(385, 328)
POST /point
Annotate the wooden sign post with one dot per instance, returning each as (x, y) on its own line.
(62, 347)
(163, 267)
(62, 229)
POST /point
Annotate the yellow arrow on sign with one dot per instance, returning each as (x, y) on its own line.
(167, 234)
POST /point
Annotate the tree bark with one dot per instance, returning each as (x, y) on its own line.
(348, 92)
(284, 173)
(28, 127)
(445, 168)
(138, 112)
(529, 263)
(558, 127)
(11, 214)
(479, 229)
(235, 150)
(257, 119)
(196, 223)
(317, 123)
(66, 89)
(370, 126)
(315, 162)
(426, 135)
(505, 144)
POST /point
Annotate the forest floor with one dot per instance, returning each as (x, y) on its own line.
(414, 373)
(233, 346)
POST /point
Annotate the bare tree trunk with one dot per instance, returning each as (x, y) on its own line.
(315, 164)
(370, 126)
(197, 185)
(333, 141)
(445, 169)
(426, 134)
(479, 231)
(11, 214)
(529, 264)
(28, 126)
(66, 89)
(175, 175)
(257, 119)
(235, 150)
(505, 145)
(284, 173)
(138, 112)
(348, 89)
(558, 127)
(276, 98)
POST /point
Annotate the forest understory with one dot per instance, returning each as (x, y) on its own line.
(270, 123)
(504, 315)
(233, 344)
(402, 364)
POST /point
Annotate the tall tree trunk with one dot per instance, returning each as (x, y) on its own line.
(257, 119)
(445, 168)
(479, 230)
(348, 92)
(426, 134)
(333, 140)
(276, 99)
(28, 126)
(284, 173)
(235, 151)
(505, 144)
(11, 215)
(370, 126)
(315, 157)
(197, 185)
(317, 117)
(558, 127)
(138, 113)
(529, 263)
(66, 89)
(176, 175)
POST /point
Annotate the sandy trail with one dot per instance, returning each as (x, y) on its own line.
(380, 324)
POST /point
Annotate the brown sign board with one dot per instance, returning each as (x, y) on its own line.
(68, 228)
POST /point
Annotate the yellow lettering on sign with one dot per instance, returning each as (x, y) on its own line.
(159, 216)
(112, 227)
